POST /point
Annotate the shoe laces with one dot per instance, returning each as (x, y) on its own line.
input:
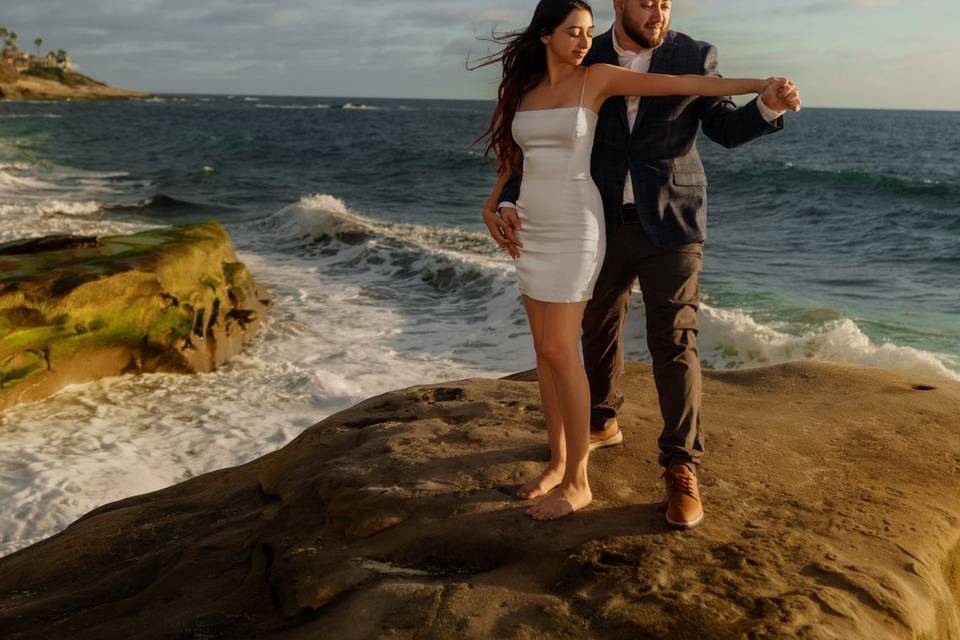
(680, 480)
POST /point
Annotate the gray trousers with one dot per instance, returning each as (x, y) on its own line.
(670, 283)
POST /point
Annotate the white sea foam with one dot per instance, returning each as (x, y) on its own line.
(359, 106)
(12, 227)
(324, 216)
(294, 107)
(19, 181)
(12, 116)
(40, 199)
(732, 339)
(53, 207)
(453, 289)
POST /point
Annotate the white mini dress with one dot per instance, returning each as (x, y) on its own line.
(560, 209)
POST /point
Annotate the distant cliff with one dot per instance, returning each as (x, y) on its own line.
(56, 84)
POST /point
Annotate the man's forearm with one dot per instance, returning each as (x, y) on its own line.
(734, 127)
(511, 190)
(728, 125)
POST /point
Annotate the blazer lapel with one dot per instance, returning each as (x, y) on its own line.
(659, 63)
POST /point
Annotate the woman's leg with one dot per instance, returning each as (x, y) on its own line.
(560, 351)
(551, 475)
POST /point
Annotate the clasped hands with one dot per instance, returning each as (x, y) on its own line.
(781, 94)
(503, 226)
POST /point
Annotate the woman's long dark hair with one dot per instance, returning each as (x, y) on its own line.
(524, 63)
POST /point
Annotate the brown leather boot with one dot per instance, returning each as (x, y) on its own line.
(684, 509)
(610, 435)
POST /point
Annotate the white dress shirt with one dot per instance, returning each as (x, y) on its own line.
(640, 61)
(635, 62)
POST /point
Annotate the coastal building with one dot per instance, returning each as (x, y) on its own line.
(22, 61)
(58, 60)
(19, 59)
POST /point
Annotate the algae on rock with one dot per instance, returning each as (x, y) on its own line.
(77, 309)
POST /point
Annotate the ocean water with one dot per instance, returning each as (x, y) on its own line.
(837, 239)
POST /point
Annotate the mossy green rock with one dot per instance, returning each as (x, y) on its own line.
(78, 309)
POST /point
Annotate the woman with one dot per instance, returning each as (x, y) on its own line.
(546, 113)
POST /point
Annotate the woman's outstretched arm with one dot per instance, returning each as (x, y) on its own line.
(616, 81)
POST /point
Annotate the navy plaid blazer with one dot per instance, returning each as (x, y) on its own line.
(669, 183)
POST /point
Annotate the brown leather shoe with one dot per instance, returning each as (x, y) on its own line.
(610, 436)
(684, 509)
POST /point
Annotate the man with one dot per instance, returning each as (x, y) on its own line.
(646, 166)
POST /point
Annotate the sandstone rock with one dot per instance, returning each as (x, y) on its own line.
(76, 309)
(831, 494)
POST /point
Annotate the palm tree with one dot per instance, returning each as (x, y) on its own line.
(39, 43)
(9, 38)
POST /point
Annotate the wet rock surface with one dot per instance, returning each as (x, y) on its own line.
(831, 495)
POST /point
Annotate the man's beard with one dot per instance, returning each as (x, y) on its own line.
(637, 35)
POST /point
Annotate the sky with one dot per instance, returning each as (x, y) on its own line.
(842, 53)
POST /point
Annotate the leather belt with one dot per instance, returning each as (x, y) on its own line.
(629, 215)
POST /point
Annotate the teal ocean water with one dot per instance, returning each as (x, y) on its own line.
(837, 239)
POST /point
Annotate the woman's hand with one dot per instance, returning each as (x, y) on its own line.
(781, 94)
(502, 229)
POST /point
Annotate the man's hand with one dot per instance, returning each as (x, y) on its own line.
(502, 227)
(781, 94)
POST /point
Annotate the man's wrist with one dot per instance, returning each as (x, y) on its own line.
(768, 114)
(507, 204)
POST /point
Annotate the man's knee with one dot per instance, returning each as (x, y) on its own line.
(670, 344)
(664, 321)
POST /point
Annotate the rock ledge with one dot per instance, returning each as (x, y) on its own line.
(833, 512)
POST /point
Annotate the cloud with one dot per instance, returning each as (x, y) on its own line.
(287, 17)
(414, 48)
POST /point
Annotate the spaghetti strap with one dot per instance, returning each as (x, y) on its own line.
(584, 87)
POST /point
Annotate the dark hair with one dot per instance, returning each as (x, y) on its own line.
(524, 63)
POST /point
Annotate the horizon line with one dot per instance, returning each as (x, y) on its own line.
(490, 100)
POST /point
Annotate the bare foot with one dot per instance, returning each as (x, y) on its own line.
(561, 502)
(542, 484)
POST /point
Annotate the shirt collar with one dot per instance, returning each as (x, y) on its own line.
(626, 53)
